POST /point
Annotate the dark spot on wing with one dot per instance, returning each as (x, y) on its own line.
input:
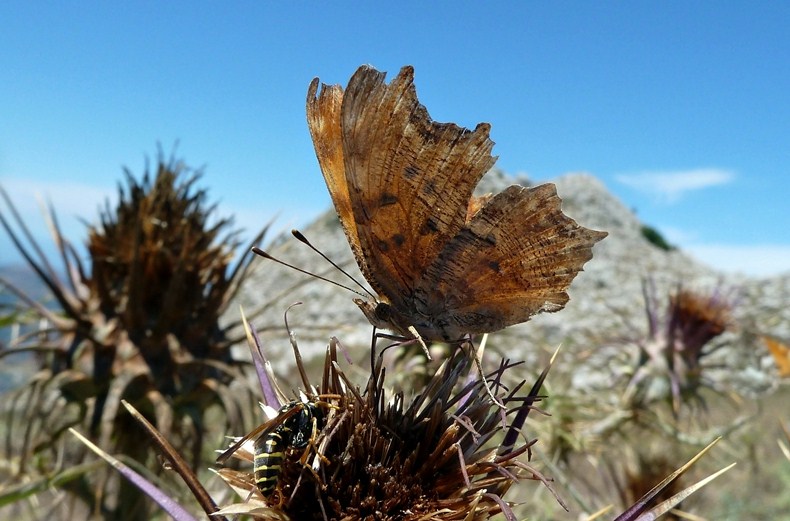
(382, 245)
(494, 265)
(490, 239)
(429, 188)
(410, 172)
(398, 240)
(429, 226)
(474, 320)
(387, 199)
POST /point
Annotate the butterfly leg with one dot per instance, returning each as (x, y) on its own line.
(477, 355)
(401, 341)
(419, 339)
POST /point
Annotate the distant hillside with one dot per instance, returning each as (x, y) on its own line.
(23, 278)
(16, 369)
(606, 299)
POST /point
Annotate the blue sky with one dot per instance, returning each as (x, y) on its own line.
(681, 108)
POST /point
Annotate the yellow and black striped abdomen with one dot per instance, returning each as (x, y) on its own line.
(299, 422)
(269, 455)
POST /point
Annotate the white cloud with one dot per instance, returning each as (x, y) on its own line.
(670, 186)
(762, 260)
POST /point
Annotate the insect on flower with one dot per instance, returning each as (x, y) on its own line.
(443, 263)
(295, 426)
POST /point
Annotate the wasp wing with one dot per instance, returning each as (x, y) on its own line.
(261, 430)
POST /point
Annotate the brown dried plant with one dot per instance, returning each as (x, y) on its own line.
(678, 341)
(446, 451)
(140, 322)
(443, 451)
(595, 429)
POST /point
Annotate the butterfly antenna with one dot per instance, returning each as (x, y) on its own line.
(302, 238)
(258, 251)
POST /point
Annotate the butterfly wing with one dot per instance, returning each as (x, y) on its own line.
(514, 258)
(781, 355)
(409, 179)
(402, 186)
(323, 120)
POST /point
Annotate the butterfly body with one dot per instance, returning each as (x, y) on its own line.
(443, 262)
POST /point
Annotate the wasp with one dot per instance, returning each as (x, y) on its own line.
(294, 426)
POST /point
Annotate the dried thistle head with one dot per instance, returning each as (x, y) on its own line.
(677, 342)
(693, 321)
(447, 452)
(140, 323)
(440, 495)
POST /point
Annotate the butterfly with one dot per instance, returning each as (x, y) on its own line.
(780, 353)
(443, 263)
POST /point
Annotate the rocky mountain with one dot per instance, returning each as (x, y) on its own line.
(607, 303)
(606, 308)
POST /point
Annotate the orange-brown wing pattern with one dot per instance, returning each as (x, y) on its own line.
(516, 257)
(781, 354)
(409, 179)
(447, 263)
(323, 120)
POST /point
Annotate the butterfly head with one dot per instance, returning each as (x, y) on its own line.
(378, 313)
